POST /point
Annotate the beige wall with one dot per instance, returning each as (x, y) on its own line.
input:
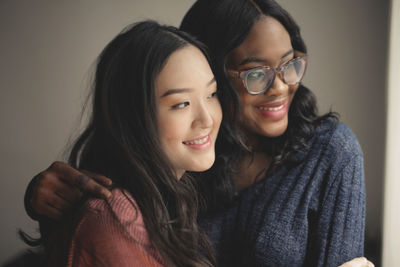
(391, 234)
(47, 47)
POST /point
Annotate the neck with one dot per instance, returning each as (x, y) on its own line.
(179, 174)
(252, 168)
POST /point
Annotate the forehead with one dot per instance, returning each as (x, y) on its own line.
(185, 68)
(267, 39)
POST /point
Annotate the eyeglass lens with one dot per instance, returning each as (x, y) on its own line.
(259, 80)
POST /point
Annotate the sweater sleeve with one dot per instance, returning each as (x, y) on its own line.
(338, 233)
(100, 240)
(28, 195)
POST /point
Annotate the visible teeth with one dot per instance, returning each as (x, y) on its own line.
(271, 109)
(197, 142)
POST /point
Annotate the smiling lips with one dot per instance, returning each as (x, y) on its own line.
(199, 143)
(274, 111)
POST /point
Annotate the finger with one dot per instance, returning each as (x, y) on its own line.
(67, 174)
(101, 179)
(69, 193)
(51, 212)
(356, 262)
(49, 197)
(47, 210)
(44, 194)
(370, 264)
(59, 203)
(86, 184)
(79, 180)
(50, 184)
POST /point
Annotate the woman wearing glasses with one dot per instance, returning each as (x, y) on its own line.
(294, 195)
(301, 194)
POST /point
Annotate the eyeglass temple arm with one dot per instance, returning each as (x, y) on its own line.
(298, 53)
(235, 72)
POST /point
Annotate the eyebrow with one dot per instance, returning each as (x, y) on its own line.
(211, 81)
(176, 91)
(260, 60)
(183, 90)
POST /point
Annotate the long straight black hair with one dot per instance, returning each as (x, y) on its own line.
(223, 25)
(121, 140)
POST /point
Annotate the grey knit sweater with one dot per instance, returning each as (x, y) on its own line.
(311, 213)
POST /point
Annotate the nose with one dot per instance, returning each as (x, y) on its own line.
(278, 86)
(202, 117)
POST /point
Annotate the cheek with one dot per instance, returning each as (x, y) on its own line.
(171, 129)
(217, 115)
(246, 99)
(292, 92)
(238, 86)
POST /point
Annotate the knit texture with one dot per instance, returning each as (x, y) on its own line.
(112, 234)
(309, 213)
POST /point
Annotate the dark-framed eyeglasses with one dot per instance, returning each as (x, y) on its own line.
(259, 79)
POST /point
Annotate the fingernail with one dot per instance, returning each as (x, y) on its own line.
(107, 194)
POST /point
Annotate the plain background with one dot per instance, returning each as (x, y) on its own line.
(47, 49)
(391, 218)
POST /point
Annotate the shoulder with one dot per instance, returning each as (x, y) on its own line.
(336, 160)
(119, 214)
(121, 205)
(112, 233)
(339, 156)
(337, 139)
(335, 156)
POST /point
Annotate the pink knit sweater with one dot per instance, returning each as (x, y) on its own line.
(100, 240)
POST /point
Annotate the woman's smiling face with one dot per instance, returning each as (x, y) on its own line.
(267, 44)
(189, 112)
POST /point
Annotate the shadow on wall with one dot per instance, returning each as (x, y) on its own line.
(24, 259)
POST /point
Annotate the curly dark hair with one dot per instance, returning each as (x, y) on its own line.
(223, 25)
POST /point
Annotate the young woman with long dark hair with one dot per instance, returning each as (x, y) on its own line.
(293, 194)
(155, 115)
(301, 186)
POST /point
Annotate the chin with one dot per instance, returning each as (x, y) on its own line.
(274, 129)
(274, 132)
(203, 165)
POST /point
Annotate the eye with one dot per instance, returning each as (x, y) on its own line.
(212, 95)
(181, 105)
(255, 75)
(288, 63)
